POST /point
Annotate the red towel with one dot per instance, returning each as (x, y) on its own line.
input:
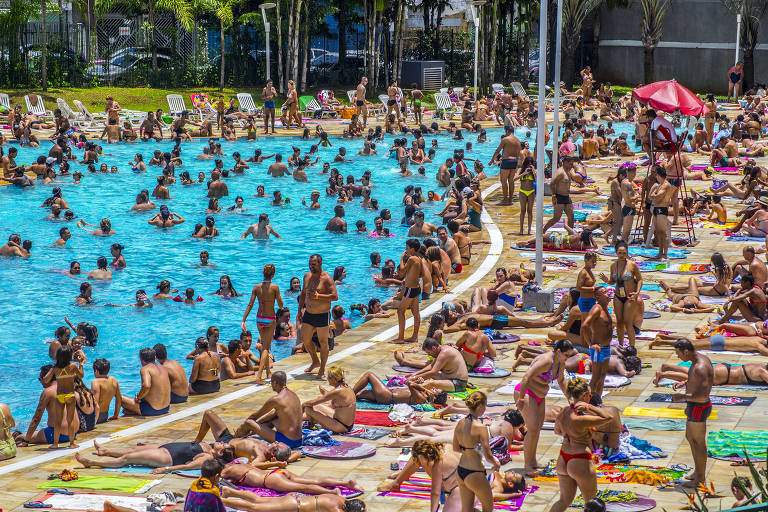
(374, 419)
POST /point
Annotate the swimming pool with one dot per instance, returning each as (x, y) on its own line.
(37, 297)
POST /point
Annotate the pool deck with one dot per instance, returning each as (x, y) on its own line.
(365, 348)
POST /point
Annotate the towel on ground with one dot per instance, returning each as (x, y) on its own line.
(101, 483)
(319, 437)
(733, 443)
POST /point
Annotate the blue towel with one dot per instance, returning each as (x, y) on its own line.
(741, 238)
(319, 437)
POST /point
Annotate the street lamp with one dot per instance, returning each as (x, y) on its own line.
(474, 6)
(264, 7)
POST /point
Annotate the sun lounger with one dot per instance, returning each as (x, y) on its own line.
(5, 101)
(519, 90)
(314, 109)
(498, 89)
(39, 108)
(444, 106)
(175, 104)
(75, 118)
(93, 120)
(247, 104)
(351, 95)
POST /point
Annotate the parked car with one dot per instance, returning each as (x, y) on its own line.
(126, 61)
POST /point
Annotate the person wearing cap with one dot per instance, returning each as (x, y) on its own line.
(165, 219)
(560, 187)
(508, 154)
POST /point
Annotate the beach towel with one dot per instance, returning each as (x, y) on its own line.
(374, 419)
(716, 225)
(578, 215)
(620, 501)
(660, 424)
(101, 483)
(646, 251)
(344, 450)
(611, 473)
(733, 443)
(741, 238)
(685, 268)
(372, 406)
(497, 373)
(269, 493)
(368, 433)
(743, 401)
(661, 412)
(318, 437)
(418, 485)
(146, 470)
(87, 501)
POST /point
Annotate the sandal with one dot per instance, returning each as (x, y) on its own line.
(36, 504)
(61, 490)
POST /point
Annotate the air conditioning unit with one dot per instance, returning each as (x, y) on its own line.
(426, 74)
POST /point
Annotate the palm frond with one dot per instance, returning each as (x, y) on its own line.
(181, 9)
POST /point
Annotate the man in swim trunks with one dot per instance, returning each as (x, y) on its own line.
(327, 502)
(447, 244)
(752, 264)
(660, 196)
(104, 388)
(597, 331)
(413, 270)
(154, 397)
(416, 97)
(392, 92)
(176, 374)
(697, 389)
(447, 370)
(315, 300)
(360, 106)
(268, 96)
(499, 321)
(509, 148)
(279, 419)
(47, 403)
(749, 300)
(337, 224)
(560, 186)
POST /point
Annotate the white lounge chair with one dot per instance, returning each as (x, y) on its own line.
(39, 108)
(444, 90)
(314, 106)
(74, 118)
(351, 95)
(444, 106)
(519, 90)
(498, 89)
(247, 104)
(175, 104)
(5, 101)
(94, 120)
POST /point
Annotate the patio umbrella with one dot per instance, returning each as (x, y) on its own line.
(669, 96)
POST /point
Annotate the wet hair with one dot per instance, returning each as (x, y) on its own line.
(147, 355)
(279, 378)
(748, 278)
(232, 346)
(64, 356)
(576, 387)
(45, 369)
(211, 468)
(117, 247)
(429, 450)
(337, 312)
(633, 364)
(472, 323)
(514, 417)
(337, 273)
(101, 365)
(161, 353)
(475, 400)
(101, 263)
(684, 344)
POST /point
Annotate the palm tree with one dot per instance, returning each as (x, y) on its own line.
(650, 35)
(574, 14)
(751, 12)
(181, 10)
(222, 9)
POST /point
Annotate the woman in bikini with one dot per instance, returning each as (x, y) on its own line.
(725, 374)
(407, 392)
(440, 463)
(226, 290)
(207, 231)
(339, 416)
(267, 294)
(687, 302)
(282, 480)
(570, 329)
(204, 378)
(530, 395)
(575, 423)
(526, 193)
(569, 241)
(718, 342)
(626, 275)
(723, 275)
(64, 372)
(471, 439)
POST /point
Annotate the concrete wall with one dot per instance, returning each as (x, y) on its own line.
(697, 47)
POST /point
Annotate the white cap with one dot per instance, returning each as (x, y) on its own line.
(50, 160)
(467, 191)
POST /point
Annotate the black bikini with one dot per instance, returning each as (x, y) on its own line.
(462, 471)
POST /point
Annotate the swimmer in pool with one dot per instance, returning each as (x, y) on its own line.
(142, 301)
(101, 273)
(104, 229)
(165, 219)
(261, 230)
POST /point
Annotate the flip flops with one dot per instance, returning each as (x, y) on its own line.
(36, 504)
(60, 490)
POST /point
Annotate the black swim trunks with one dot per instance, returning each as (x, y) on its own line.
(508, 163)
(698, 412)
(316, 319)
(675, 182)
(411, 293)
(627, 211)
(225, 436)
(660, 210)
(391, 102)
(359, 103)
(459, 385)
(563, 199)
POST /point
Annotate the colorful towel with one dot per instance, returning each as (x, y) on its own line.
(716, 225)
(660, 424)
(661, 412)
(646, 251)
(375, 419)
(741, 238)
(743, 401)
(733, 443)
(609, 473)
(317, 437)
(146, 470)
(673, 268)
(269, 493)
(87, 501)
(372, 406)
(418, 488)
(101, 483)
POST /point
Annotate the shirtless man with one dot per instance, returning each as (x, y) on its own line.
(560, 186)
(443, 175)
(279, 419)
(176, 374)
(154, 397)
(753, 264)
(278, 168)
(416, 98)
(660, 196)
(327, 502)
(337, 224)
(268, 96)
(419, 227)
(447, 370)
(267, 293)
(315, 300)
(112, 131)
(392, 91)
(13, 247)
(104, 388)
(463, 242)
(447, 244)
(596, 331)
(410, 292)
(261, 230)
(217, 188)
(676, 168)
(697, 389)
(749, 300)
(47, 402)
(509, 148)
(360, 106)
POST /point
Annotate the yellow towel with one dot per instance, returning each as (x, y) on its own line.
(663, 412)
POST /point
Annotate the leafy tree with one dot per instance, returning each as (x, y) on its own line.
(752, 11)
(650, 35)
(575, 12)
(222, 10)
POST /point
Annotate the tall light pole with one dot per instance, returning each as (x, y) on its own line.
(540, 129)
(474, 6)
(738, 37)
(264, 7)
(556, 113)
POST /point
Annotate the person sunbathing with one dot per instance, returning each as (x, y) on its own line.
(725, 374)
(252, 502)
(688, 302)
(476, 348)
(579, 363)
(282, 480)
(164, 457)
(398, 390)
(500, 322)
(569, 241)
(723, 275)
(718, 343)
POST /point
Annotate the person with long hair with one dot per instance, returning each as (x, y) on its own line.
(339, 415)
(723, 275)
(575, 423)
(65, 371)
(470, 438)
(268, 294)
(531, 392)
(626, 276)
(226, 290)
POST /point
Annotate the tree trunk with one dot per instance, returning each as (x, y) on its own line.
(280, 49)
(749, 69)
(221, 41)
(401, 42)
(296, 34)
(342, 29)
(595, 58)
(44, 52)
(526, 45)
(648, 64)
(377, 48)
(152, 33)
(303, 86)
(494, 37)
(569, 66)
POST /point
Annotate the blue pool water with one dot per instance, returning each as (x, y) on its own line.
(37, 297)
